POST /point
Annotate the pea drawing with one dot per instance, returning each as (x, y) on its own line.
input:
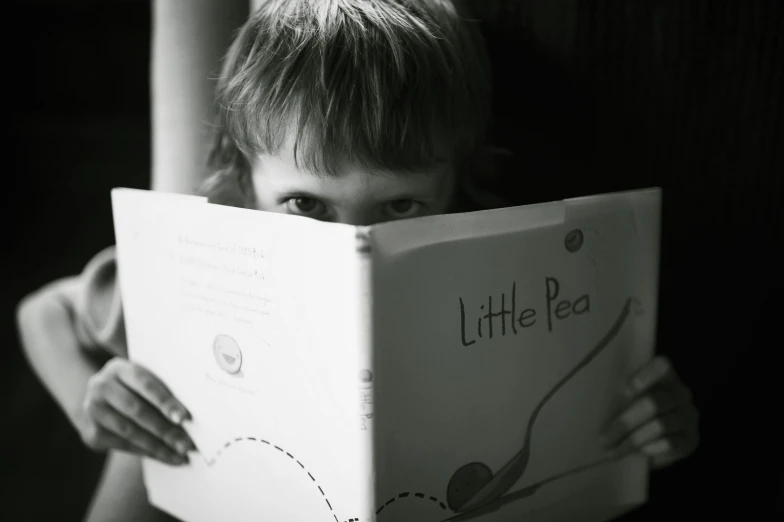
(227, 354)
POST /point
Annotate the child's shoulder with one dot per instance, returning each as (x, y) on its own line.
(98, 306)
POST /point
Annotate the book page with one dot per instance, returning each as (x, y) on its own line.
(250, 319)
(501, 339)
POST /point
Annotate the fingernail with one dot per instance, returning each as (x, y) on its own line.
(182, 447)
(176, 416)
(179, 460)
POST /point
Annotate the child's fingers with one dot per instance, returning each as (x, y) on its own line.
(654, 430)
(139, 411)
(667, 436)
(146, 384)
(642, 410)
(111, 425)
(657, 378)
(110, 441)
(677, 446)
(655, 415)
(657, 370)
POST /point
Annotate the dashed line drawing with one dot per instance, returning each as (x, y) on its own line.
(408, 495)
(211, 462)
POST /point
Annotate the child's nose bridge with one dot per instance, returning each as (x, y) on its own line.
(358, 217)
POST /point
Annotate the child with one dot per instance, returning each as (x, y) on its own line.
(340, 110)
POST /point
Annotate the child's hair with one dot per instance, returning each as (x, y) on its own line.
(395, 85)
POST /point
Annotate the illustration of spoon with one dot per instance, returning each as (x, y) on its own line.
(533, 488)
(473, 485)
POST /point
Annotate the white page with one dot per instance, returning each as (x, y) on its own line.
(442, 405)
(278, 439)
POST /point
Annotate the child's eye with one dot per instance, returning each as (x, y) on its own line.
(402, 208)
(305, 206)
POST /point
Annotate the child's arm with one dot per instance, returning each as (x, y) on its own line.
(189, 40)
(49, 340)
(68, 330)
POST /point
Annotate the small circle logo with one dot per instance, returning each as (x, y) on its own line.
(227, 354)
(574, 240)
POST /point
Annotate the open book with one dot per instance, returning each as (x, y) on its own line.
(454, 367)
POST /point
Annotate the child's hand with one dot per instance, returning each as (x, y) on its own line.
(128, 408)
(655, 416)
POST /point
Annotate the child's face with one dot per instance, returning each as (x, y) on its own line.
(356, 197)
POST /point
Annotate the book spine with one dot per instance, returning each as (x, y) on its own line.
(366, 376)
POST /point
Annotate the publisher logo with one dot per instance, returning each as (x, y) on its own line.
(227, 354)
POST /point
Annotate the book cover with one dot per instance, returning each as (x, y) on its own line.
(454, 367)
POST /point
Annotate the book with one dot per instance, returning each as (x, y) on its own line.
(444, 368)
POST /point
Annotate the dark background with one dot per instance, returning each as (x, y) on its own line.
(592, 96)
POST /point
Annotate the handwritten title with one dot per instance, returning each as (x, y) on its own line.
(494, 320)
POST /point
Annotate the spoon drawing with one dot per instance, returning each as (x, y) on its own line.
(474, 485)
(533, 488)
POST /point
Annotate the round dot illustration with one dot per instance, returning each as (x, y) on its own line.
(365, 376)
(574, 240)
(467, 482)
(227, 354)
